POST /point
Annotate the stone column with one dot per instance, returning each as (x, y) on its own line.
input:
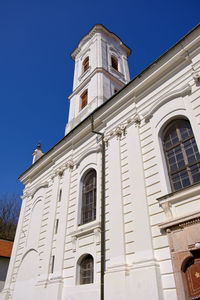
(60, 239)
(50, 229)
(116, 268)
(145, 271)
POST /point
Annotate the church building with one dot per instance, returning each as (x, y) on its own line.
(112, 211)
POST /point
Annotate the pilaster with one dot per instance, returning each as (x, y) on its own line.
(116, 267)
(60, 239)
(45, 268)
(144, 265)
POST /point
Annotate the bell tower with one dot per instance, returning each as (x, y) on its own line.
(101, 69)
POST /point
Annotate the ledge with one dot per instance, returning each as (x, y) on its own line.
(86, 229)
(183, 194)
(184, 221)
(116, 72)
(84, 73)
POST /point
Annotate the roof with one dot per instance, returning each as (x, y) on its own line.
(108, 100)
(103, 29)
(5, 248)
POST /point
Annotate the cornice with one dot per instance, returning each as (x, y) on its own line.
(98, 28)
(139, 83)
(88, 78)
(181, 222)
(185, 90)
(39, 186)
(59, 171)
(86, 153)
(120, 129)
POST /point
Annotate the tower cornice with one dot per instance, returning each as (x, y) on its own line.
(98, 28)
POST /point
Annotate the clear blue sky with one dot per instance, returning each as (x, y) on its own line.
(36, 71)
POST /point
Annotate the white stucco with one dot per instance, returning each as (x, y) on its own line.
(138, 262)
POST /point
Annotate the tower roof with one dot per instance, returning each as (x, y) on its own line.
(99, 28)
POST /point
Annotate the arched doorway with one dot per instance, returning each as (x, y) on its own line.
(192, 276)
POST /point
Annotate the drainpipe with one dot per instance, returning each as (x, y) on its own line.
(102, 210)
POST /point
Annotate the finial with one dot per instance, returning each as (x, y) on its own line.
(39, 146)
(37, 153)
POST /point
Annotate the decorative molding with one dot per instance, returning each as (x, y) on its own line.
(84, 73)
(60, 170)
(189, 222)
(181, 195)
(98, 28)
(196, 76)
(181, 222)
(97, 235)
(120, 129)
(166, 206)
(88, 152)
(43, 185)
(26, 194)
(74, 242)
(187, 57)
(85, 230)
(185, 90)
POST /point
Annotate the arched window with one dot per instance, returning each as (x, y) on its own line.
(182, 155)
(86, 269)
(84, 98)
(86, 64)
(114, 62)
(88, 209)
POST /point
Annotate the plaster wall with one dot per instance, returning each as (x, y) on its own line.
(137, 193)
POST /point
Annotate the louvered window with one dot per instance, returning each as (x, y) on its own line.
(86, 64)
(84, 98)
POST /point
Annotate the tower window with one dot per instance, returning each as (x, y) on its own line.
(86, 64)
(86, 270)
(84, 98)
(182, 155)
(88, 209)
(114, 62)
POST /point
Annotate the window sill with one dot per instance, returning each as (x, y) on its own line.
(92, 228)
(112, 70)
(86, 229)
(180, 195)
(168, 201)
(84, 73)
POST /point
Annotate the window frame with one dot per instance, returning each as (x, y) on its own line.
(84, 99)
(86, 64)
(84, 194)
(114, 63)
(181, 144)
(89, 278)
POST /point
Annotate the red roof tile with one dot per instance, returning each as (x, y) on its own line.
(5, 248)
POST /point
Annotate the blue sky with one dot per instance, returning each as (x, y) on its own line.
(36, 71)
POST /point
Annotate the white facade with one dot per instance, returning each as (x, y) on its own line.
(151, 231)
